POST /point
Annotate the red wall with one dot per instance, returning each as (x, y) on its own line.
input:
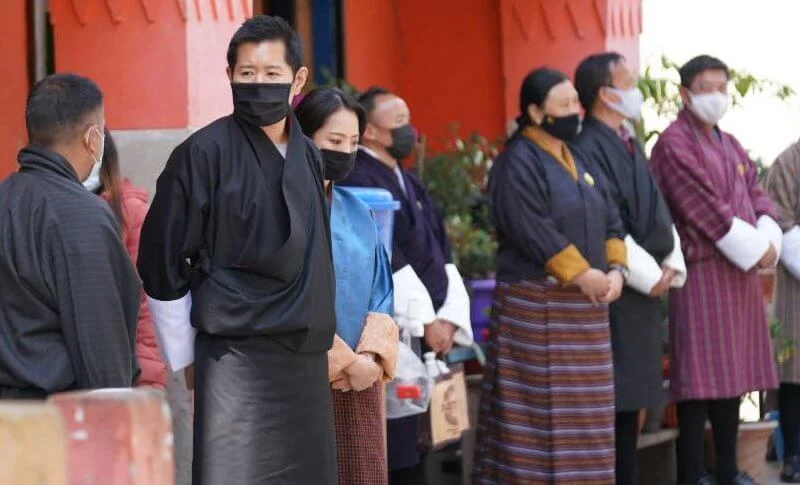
(464, 60)
(561, 33)
(14, 57)
(139, 62)
(371, 43)
(441, 56)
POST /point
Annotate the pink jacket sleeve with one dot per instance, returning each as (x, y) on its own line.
(154, 371)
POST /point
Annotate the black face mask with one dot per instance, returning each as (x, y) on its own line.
(261, 104)
(402, 142)
(338, 164)
(564, 128)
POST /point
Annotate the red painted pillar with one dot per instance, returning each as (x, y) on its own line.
(371, 43)
(117, 436)
(14, 56)
(464, 60)
(560, 33)
(160, 63)
(443, 57)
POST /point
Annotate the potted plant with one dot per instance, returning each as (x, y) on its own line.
(456, 178)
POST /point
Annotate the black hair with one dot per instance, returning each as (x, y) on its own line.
(367, 98)
(594, 73)
(534, 90)
(698, 65)
(58, 108)
(262, 28)
(318, 105)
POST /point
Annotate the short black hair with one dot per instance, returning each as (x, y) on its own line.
(58, 107)
(262, 28)
(594, 73)
(367, 98)
(698, 65)
(318, 105)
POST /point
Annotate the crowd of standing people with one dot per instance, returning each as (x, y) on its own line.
(257, 275)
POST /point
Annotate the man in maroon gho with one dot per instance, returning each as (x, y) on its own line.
(720, 343)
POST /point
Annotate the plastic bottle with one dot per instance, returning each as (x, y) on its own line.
(430, 364)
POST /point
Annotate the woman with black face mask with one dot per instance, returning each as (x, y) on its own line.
(547, 411)
(364, 352)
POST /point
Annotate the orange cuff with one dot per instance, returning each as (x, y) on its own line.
(616, 253)
(567, 264)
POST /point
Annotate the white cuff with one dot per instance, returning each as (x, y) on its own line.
(455, 308)
(771, 230)
(174, 330)
(413, 307)
(643, 271)
(790, 252)
(676, 261)
(743, 245)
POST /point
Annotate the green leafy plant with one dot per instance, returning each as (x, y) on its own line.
(782, 344)
(456, 179)
(661, 91)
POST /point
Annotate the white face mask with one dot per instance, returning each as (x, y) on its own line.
(92, 183)
(710, 107)
(629, 104)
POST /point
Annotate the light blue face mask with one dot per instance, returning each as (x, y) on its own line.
(92, 183)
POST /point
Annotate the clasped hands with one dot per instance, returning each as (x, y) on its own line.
(600, 287)
(769, 259)
(362, 374)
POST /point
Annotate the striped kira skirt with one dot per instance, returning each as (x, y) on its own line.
(359, 436)
(547, 406)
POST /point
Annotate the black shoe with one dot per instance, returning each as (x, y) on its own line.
(790, 473)
(744, 479)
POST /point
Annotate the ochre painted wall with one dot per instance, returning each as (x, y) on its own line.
(14, 58)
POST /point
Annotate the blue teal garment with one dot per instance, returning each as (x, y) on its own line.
(362, 269)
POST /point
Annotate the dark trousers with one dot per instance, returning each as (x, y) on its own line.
(789, 408)
(405, 463)
(724, 417)
(627, 437)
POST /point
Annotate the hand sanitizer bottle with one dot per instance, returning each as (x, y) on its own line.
(431, 365)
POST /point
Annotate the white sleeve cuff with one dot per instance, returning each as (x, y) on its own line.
(743, 245)
(676, 261)
(790, 252)
(643, 271)
(771, 230)
(413, 307)
(174, 330)
(455, 308)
